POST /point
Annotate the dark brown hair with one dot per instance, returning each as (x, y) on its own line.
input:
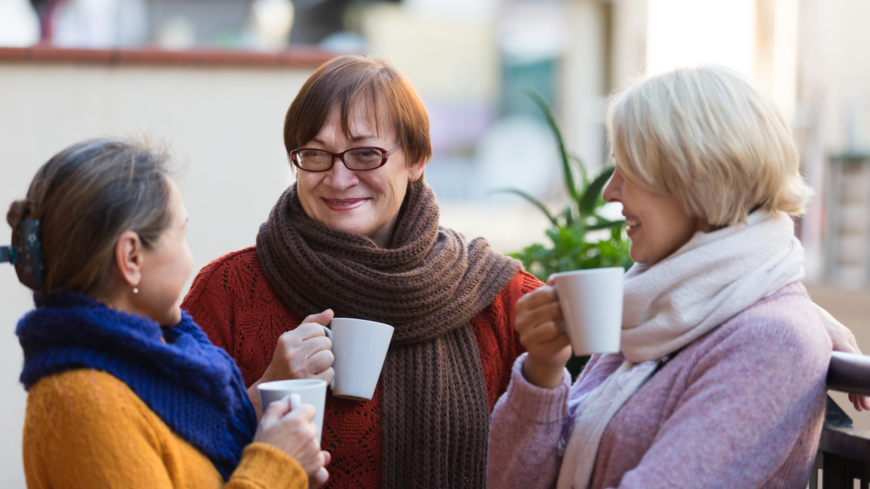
(352, 79)
(85, 197)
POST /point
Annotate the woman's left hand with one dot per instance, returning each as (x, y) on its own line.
(844, 341)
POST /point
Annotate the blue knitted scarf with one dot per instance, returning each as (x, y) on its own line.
(192, 385)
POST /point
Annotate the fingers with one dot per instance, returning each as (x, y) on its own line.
(313, 346)
(304, 413)
(536, 298)
(276, 411)
(326, 376)
(861, 403)
(544, 332)
(539, 317)
(319, 478)
(320, 361)
(303, 332)
(322, 318)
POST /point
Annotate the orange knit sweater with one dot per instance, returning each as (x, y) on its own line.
(85, 428)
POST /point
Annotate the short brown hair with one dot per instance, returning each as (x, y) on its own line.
(352, 79)
(85, 197)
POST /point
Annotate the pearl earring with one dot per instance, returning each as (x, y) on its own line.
(135, 290)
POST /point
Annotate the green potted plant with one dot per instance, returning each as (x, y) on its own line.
(572, 245)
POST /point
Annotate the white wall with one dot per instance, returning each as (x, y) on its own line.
(227, 123)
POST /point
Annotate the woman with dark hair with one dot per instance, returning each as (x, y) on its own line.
(124, 390)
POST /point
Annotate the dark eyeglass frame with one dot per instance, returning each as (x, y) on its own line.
(385, 154)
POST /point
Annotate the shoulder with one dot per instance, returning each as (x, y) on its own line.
(89, 402)
(522, 283)
(241, 261)
(788, 314)
(225, 281)
(782, 331)
(503, 305)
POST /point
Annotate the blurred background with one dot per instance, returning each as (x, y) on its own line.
(215, 77)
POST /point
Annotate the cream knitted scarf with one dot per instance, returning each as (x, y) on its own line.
(669, 305)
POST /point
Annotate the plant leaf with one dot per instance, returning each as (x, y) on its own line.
(583, 176)
(587, 202)
(535, 202)
(603, 224)
(551, 120)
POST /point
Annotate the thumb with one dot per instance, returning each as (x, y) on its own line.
(322, 318)
(275, 411)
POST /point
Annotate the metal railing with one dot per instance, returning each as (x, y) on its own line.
(844, 452)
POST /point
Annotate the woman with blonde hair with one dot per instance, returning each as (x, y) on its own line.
(721, 377)
(124, 389)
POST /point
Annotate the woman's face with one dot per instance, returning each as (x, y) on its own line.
(364, 202)
(165, 269)
(656, 224)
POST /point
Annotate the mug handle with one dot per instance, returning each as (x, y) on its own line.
(295, 400)
(328, 333)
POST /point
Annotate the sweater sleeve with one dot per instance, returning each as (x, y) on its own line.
(749, 401)
(524, 433)
(85, 429)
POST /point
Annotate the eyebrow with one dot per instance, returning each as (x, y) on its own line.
(361, 137)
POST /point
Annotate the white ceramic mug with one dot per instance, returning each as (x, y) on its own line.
(300, 391)
(360, 348)
(591, 303)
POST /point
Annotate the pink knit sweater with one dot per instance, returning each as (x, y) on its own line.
(740, 407)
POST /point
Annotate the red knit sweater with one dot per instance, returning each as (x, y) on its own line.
(235, 305)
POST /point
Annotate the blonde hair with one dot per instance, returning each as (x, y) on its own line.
(711, 137)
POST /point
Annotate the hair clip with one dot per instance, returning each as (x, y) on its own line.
(26, 253)
(7, 253)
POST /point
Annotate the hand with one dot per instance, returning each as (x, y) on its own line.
(293, 433)
(539, 326)
(844, 341)
(304, 353)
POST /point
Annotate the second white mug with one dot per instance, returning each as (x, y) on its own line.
(591, 302)
(360, 348)
(307, 391)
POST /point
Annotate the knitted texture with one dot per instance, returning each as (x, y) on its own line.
(740, 407)
(428, 286)
(237, 307)
(193, 386)
(86, 429)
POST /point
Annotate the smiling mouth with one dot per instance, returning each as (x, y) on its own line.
(344, 204)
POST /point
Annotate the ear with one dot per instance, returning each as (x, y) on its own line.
(128, 257)
(416, 171)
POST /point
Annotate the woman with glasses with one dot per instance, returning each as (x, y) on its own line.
(358, 236)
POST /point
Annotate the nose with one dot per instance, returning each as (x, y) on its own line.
(339, 176)
(613, 189)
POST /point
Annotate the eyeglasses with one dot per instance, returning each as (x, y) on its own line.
(356, 159)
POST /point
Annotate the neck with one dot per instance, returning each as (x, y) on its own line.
(383, 239)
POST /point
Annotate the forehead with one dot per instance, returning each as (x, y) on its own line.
(361, 118)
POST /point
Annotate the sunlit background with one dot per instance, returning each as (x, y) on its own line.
(215, 77)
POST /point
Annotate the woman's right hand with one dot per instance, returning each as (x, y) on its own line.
(293, 433)
(304, 353)
(539, 327)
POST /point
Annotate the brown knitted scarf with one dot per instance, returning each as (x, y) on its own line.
(429, 286)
